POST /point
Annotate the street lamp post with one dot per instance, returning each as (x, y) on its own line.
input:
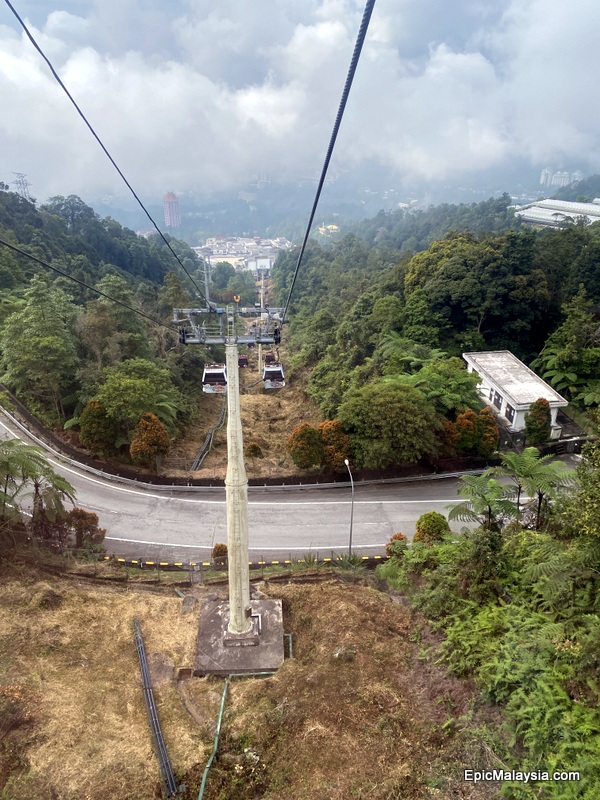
(347, 463)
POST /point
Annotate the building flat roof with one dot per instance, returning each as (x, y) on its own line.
(519, 383)
(555, 212)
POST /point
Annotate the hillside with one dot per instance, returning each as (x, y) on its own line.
(360, 710)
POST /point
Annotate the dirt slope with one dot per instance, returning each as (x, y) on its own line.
(358, 712)
(268, 418)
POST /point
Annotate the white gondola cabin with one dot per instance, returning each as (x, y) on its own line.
(273, 376)
(214, 379)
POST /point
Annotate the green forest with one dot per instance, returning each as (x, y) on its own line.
(97, 361)
(378, 322)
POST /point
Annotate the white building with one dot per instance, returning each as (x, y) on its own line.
(509, 387)
(558, 212)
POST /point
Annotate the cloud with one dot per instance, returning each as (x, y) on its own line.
(195, 95)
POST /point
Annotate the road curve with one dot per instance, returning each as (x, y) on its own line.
(168, 525)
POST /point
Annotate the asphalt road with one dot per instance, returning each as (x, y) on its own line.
(169, 525)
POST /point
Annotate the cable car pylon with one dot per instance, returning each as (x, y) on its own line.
(236, 495)
(215, 325)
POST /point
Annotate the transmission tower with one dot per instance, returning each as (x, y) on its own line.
(22, 185)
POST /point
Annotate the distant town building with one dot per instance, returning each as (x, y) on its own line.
(557, 213)
(549, 177)
(561, 179)
(256, 254)
(146, 233)
(509, 387)
(171, 211)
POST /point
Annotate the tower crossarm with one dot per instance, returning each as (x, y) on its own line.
(218, 326)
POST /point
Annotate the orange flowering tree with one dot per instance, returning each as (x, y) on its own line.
(150, 440)
(336, 444)
(306, 446)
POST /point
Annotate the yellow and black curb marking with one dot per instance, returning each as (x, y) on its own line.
(195, 565)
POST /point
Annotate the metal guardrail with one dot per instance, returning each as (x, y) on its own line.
(142, 485)
(166, 771)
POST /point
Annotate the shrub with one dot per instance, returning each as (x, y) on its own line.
(397, 546)
(254, 450)
(305, 446)
(431, 527)
(219, 555)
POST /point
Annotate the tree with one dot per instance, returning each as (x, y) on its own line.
(48, 518)
(150, 440)
(477, 433)
(97, 431)
(84, 526)
(336, 445)
(25, 473)
(19, 463)
(39, 352)
(488, 503)
(538, 422)
(389, 425)
(406, 355)
(136, 386)
(468, 435)
(487, 429)
(538, 476)
(221, 274)
(571, 356)
(305, 446)
(73, 210)
(583, 509)
(445, 383)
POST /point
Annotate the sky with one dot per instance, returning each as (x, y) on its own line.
(201, 97)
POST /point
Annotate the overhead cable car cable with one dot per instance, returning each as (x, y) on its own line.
(350, 77)
(85, 285)
(97, 138)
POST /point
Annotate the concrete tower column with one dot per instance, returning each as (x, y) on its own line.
(236, 492)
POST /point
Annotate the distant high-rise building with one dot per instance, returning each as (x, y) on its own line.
(577, 176)
(171, 209)
(546, 177)
(561, 179)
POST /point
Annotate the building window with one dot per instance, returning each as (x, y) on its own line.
(509, 413)
(498, 400)
(491, 394)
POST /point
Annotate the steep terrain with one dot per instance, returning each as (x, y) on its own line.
(360, 710)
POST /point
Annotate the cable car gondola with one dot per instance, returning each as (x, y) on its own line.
(270, 358)
(242, 361)
(273, 376)
(214, 379)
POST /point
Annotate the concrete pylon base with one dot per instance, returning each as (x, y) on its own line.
(221, 652)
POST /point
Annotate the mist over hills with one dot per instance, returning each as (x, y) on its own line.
(268, 207)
